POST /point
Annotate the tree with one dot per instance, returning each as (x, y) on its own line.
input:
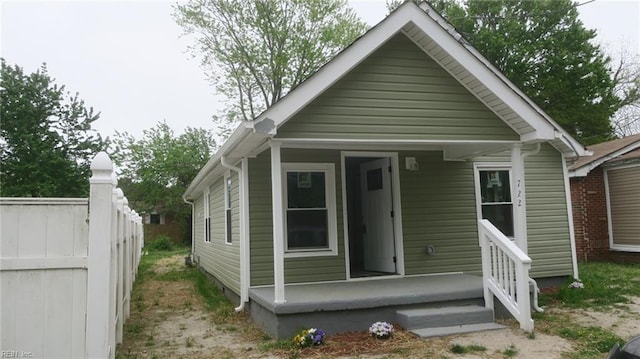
(46, 140)
(626, 80)
(255, 52)
(155, 170)
(545, 50)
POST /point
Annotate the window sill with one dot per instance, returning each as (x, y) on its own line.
(311, 253)
(625, 248)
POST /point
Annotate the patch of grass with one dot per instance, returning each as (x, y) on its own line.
(176, 275)
(145, 270)
(510, 352)
(230, 328)
(282, 344)
(471, 348)
(214, 300)
(605, 285)
(189, 342)
(149, 342)
(593, 339)
(225, 354)
(125, 356)
(590, 342)
(134, 329)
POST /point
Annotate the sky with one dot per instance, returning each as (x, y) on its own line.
(128, 60)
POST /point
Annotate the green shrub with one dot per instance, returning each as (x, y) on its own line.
(161, 243)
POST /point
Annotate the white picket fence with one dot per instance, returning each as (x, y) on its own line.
(67, 268)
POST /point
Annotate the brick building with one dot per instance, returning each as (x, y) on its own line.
(605, 195)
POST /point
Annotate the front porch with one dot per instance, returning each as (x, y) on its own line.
(428, 305)
(354, 305)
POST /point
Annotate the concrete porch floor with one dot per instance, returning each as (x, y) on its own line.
(354, 305)
(370, 293)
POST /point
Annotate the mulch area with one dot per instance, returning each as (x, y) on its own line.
(355, 344)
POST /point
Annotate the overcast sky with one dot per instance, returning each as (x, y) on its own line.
(128, 61)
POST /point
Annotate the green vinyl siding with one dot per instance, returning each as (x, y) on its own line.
(547, 222)
(398, 92)
(438, 209)
(549, 241)
(198, 225)
(297, 270)
(218, 258)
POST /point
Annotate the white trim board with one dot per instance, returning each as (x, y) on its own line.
(330, 202)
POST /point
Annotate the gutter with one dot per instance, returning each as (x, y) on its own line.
(193, 225)
(240, 133)
(244, 288)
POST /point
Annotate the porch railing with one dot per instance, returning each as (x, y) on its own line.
(505, 269)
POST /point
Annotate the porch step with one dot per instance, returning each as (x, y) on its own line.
(427, 322)
(458, 329)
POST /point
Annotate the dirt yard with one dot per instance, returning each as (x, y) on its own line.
(169, 318)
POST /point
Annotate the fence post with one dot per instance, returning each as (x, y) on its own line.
(98, 260)
(134, 247)
(126, 262)
(119, 264)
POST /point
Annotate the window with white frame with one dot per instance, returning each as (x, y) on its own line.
(207, 217)
(310, 208)
(495, 198)
(227, 206)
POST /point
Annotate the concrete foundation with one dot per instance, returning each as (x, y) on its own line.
(355, 305)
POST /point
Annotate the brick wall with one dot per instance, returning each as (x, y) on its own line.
(589, 204)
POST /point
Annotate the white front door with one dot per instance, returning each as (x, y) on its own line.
(377, 216)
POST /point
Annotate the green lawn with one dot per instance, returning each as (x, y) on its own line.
(606, 286)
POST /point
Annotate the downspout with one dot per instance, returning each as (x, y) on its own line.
(193, 226)
(572, 235)
(532, 152)
(243, 284)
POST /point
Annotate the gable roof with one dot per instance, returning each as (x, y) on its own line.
(625, 148)
(440, 41)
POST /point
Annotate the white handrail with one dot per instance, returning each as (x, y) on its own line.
(505, 269)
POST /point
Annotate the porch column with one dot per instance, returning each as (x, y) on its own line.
(278, 223)
(518, 197)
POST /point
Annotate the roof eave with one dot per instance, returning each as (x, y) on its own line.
(239, 134)
(587, 167)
